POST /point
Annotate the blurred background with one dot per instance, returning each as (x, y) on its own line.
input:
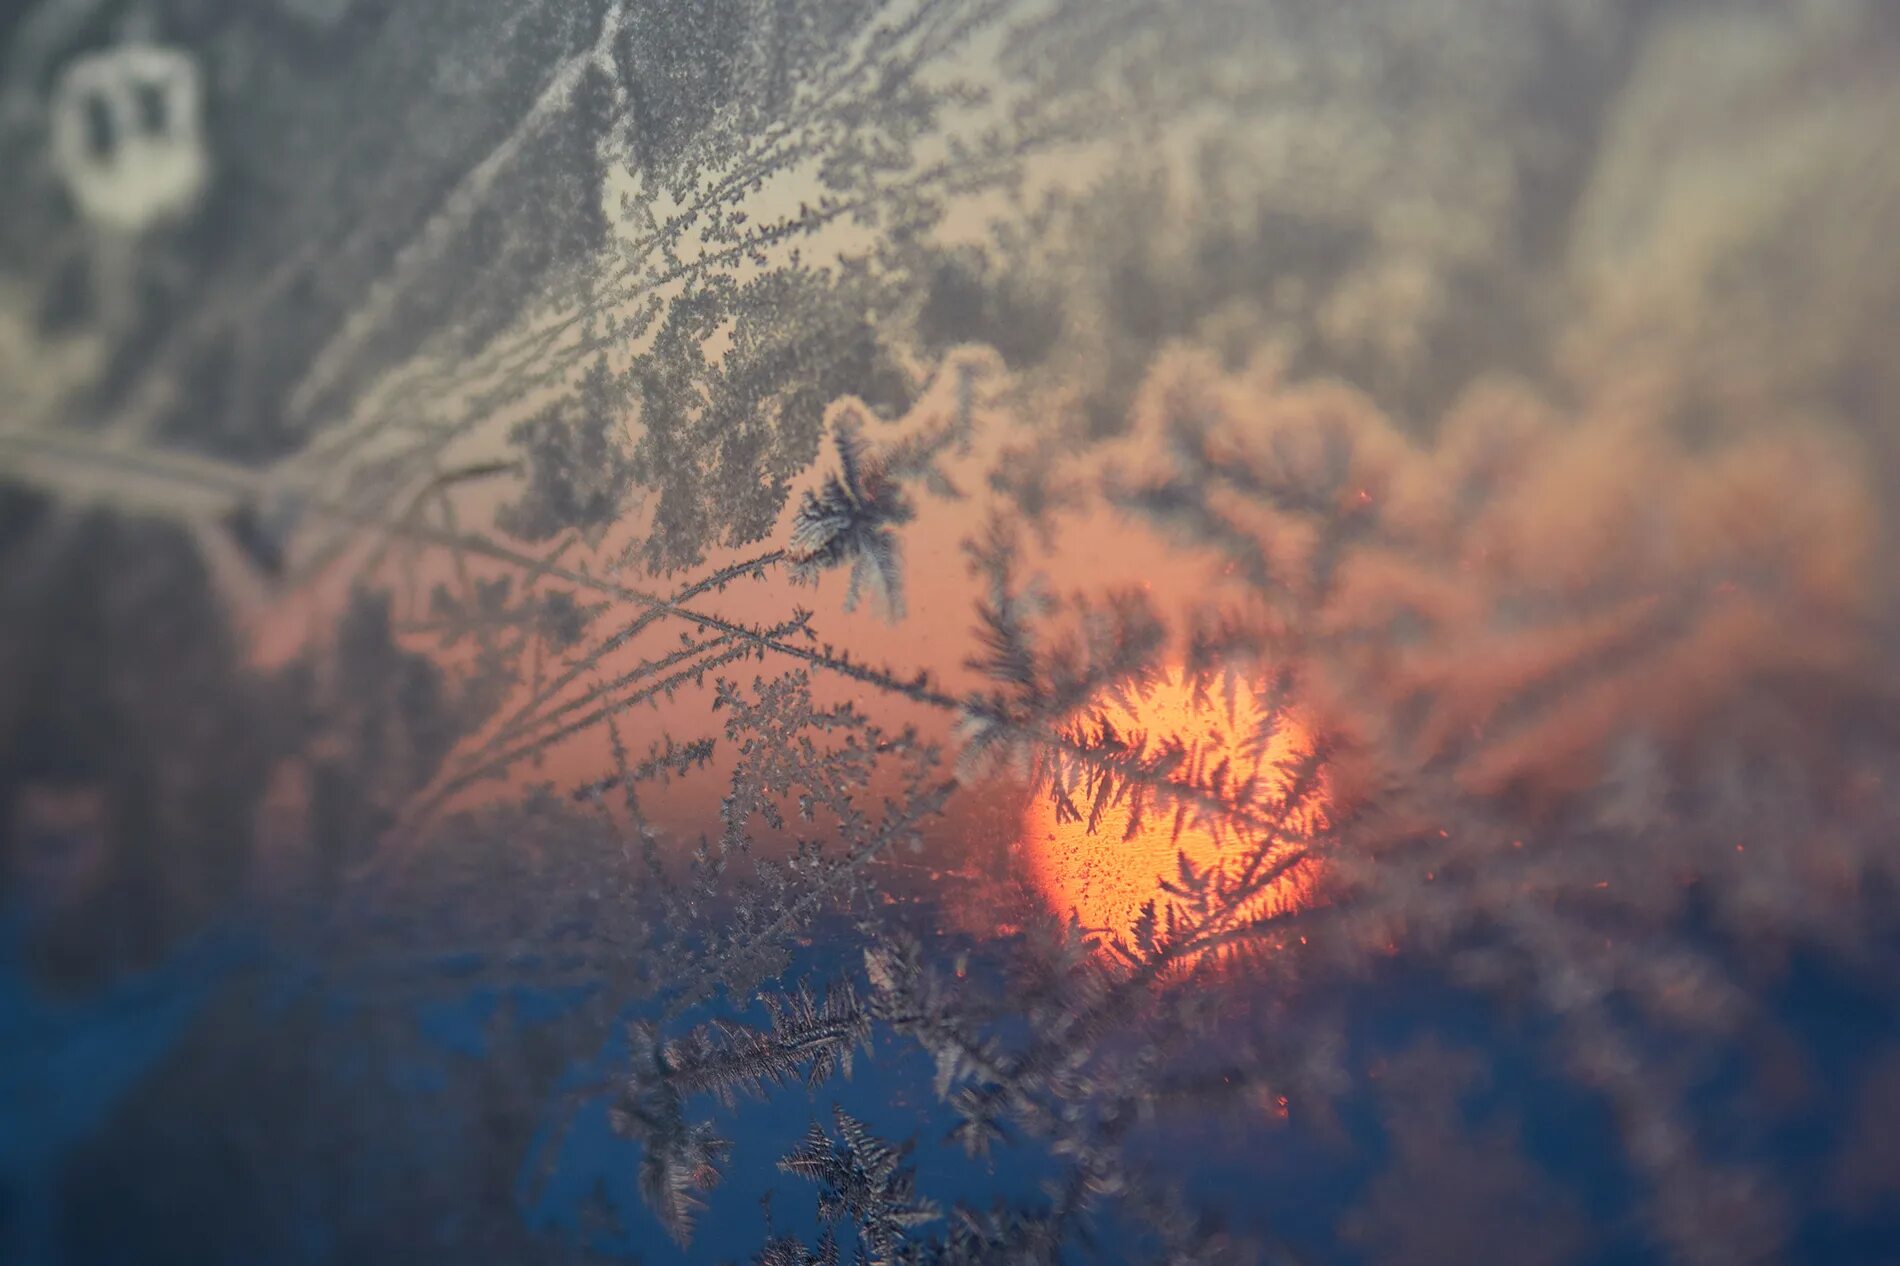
(524, 521)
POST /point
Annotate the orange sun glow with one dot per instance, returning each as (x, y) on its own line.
(1105, 878)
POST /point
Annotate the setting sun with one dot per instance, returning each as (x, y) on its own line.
(1105, 876)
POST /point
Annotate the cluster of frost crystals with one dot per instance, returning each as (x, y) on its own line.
(128, 136)
(1498, 393)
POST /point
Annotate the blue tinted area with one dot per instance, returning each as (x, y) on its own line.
(70, 1069)
(65, 1064)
